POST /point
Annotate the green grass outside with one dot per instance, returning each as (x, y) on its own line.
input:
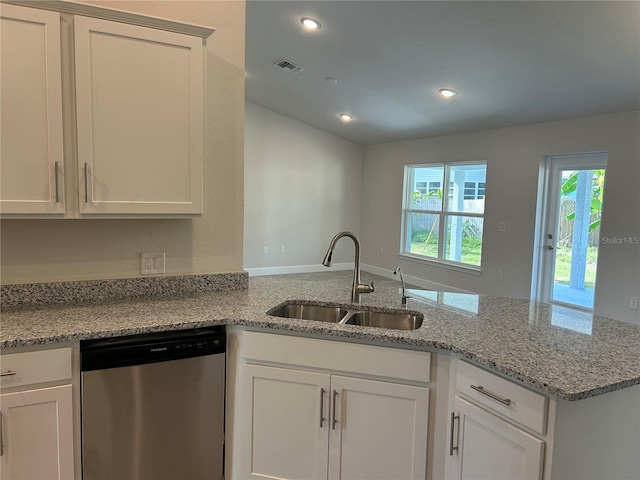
(563, 266)
(471, 249)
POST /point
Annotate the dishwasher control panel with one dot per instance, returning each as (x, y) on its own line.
(151, 347)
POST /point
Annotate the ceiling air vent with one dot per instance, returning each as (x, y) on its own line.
(287, 66)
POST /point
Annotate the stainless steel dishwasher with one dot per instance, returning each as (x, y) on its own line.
(153, 406)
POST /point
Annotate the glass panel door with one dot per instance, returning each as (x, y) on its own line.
(572, 235)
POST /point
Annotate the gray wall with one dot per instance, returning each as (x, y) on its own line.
(302, 186)
(513, 158)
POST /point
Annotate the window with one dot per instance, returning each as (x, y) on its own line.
(444, 228)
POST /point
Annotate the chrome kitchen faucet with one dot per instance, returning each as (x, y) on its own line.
(358, 288)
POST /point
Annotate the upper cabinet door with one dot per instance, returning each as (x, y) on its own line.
(31, 152)
(139, 94)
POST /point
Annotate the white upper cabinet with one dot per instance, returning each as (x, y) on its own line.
(120, 111)
(31, 152)
(139, 95)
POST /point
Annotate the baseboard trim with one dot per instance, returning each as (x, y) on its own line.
(263, 271)
(411, 280)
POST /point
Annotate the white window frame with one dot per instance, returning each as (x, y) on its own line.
(407, 211)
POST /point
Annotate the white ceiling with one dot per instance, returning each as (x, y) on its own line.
(511, 62)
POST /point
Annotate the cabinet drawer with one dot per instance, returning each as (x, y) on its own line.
(502, 396)
(21, 369)
(396, 363)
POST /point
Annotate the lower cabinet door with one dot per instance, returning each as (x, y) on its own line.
(37, 434)
(380, 430)
(485, 447)
(285, 424)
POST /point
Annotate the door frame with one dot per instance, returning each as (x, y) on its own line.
(547, 221)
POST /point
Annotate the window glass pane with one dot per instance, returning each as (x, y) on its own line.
(427, 194)
(422, 234)
(463, 241)
(421, 187)
(464, 192)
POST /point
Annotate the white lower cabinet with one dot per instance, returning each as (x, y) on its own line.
(488, 447)
(284, 410)
(497, 429)
(37, 434)
(37, 419)
(380, 431)
(303, 424)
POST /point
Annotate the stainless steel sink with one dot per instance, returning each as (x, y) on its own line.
(349, 316)
(319, 313)
(398, 321)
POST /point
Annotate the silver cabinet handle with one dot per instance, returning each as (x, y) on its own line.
(322, 392)
(8, 373)
(1, 436)
(334, 421)
(452, 449)
(57, 183)
(86, 183)
(490, 394)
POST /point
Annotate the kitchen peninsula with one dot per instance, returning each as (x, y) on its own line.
(557, 354)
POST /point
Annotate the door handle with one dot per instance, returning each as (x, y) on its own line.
(57, 182)
(322, 392)
(452, 449)
(86, 183)
(1, 436)
(334, 421)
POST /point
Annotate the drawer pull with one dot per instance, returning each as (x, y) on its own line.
(8, 373)
(490, 394)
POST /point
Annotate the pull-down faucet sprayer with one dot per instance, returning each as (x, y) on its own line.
(357, 287)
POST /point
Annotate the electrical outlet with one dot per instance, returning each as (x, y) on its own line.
(502, 227)
(265, 249)
(381, 251)
(499, 274)
(282, 249)
(152, 263)
(633, 304)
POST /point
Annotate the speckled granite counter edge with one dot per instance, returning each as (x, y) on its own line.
(118, 289)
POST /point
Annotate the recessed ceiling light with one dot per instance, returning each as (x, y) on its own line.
(446, 92)
(345, 117)
(310, 23)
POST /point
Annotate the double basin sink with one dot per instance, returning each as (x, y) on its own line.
(348, 316)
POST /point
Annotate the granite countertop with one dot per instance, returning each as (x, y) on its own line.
(565, 353)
